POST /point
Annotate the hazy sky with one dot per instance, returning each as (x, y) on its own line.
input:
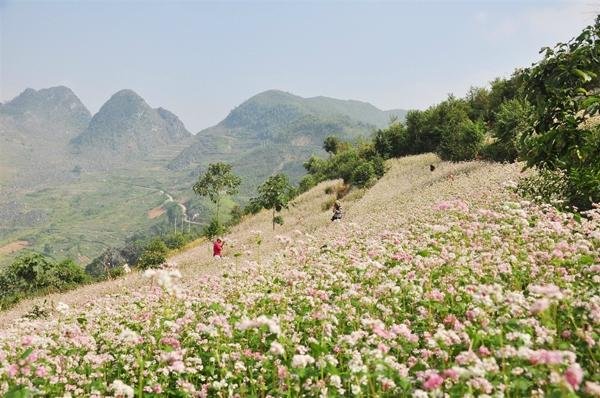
(201, 59)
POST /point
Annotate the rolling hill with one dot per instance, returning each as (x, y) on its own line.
(277, 131)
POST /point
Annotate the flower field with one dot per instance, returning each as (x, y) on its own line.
(443, 284)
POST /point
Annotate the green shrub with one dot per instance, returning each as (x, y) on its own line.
(307, 182)
(392, 141)
(253, 207)
(513, 119)
(363, 175)
(70, 274)
(213, 229)
(545, 186)
(110, 259)
(154, 255)
(235, 215)
(33, 273)
(176, 240)
(462, 141)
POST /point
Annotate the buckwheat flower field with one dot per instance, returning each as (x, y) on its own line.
(434, 284)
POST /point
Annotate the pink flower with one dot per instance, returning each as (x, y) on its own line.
(26, 341)
(540, 306)
(282, 372)
(592, 388)
(12, 370)
(574, 375)
(433, 381)
(545, 357)
(41, 371)
(484, 351)
(451, 374)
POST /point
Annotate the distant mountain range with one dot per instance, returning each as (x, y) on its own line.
(277, 131)
(45, 133)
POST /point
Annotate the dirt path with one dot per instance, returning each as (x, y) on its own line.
(13, 247)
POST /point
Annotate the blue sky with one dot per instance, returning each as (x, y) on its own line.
(201, 59)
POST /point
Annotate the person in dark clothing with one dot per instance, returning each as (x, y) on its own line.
(431, 167)
(337, 212)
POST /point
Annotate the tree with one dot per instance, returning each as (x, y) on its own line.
(564, 89)
(331, 144)
(513, 119)
(154, 255)
(462, 141)
(275, 194)
(218, 180)
(392, 141)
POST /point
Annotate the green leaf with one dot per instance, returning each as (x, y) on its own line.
(582, 75)
(26, 353)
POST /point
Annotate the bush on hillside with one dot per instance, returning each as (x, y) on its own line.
(154, 255)
(392, 141)
(112, 258)
(513, 119)
(363, 175)
(544, 186)
(461, 141)
(33, 273)
(213, 229)
(176, 240)
(564, 90)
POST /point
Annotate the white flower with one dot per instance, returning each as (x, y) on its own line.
(276, 348)
(149, 273)
(336, 381)
(62, 308)
(121, 389)
(129, 336)
(301, 361)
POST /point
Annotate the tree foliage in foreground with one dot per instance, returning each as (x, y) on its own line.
(564, 89)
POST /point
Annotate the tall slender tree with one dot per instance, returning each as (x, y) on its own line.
(217, 181)
(275, 194)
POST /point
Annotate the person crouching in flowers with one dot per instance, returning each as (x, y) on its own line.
(337, 211)
(218, 248)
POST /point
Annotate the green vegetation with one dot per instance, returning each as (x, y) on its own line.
(275, 194)
(154, 255)
(564, 90)
(218, 180)
(34, 273)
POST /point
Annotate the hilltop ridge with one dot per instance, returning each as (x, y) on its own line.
(127, 126)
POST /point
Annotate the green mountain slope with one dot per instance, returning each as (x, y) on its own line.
(276, 131)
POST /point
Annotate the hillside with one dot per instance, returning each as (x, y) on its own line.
(426, 285)
(278, 131)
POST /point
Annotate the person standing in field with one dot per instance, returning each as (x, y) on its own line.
(218, 248)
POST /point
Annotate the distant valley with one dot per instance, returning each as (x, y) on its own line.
(73, 184)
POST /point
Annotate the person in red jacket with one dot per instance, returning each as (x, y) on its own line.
(218, 248)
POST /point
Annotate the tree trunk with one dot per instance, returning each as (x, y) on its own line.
(218, 209)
